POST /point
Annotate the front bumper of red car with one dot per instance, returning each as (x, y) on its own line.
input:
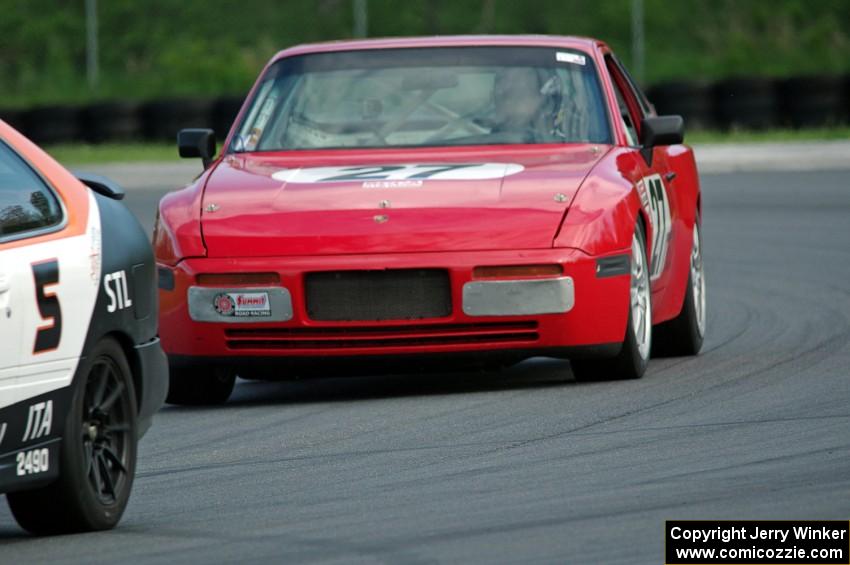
(582, 310)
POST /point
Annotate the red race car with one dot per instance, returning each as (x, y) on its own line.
(406, 201)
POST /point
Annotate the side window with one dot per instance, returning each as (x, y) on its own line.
(629, 110)
(26, 203)
(643, 101)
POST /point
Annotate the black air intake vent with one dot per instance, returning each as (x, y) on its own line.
(362, 296)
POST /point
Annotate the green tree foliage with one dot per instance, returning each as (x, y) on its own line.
(161, 48)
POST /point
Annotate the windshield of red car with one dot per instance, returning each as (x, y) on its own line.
(426, 97)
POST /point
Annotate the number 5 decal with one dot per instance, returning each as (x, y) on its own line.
(47, 337)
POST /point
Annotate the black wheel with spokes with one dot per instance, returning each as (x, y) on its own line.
(106, 430)
(98, 460)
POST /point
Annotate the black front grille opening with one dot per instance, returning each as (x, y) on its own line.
(406, 329)
(393, 294)
(394, 342)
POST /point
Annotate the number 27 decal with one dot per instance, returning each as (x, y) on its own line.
(46, 273)
(401, 172)
(654, 198)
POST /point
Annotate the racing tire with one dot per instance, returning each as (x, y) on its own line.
(691, 100)
(162, 119)
(111, 121)
(52, 124)
(684, 334)
(224, 113)
(633, 358)
(14, 118)
(748, 103)
(98, 455)
(201, 385)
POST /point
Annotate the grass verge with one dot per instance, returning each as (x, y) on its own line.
(768, 136)
(82, 154)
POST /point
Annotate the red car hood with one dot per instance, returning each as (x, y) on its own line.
(345, 202)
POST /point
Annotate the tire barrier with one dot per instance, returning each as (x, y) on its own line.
(53, 124)
(224, 111)
(691, 100)
(745, 103)
(112, 121)
(162, 119)
(846, 108)
(814, 101)
(13, 117)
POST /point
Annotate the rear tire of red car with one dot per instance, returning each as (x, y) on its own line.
(98, 456)
(200, 385)
(633, 358)
(684, 334)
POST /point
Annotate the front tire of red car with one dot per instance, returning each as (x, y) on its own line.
(684, 334)
(633, 358)
(202, 385)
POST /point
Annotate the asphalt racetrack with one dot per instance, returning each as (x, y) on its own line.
(527, 465)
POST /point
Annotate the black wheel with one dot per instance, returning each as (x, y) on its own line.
(633, 358)
(98, 459)
(200, 385)
(684, 334)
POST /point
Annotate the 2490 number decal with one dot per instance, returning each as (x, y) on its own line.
(33, 461)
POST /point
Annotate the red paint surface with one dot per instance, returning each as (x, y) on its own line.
(571, 204)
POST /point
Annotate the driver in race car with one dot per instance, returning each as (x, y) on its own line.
(518, 102)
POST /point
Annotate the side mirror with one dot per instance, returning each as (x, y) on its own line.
(197, 142)
(660, 130)
(100, 184)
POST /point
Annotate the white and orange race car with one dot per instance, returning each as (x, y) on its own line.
(81, 367)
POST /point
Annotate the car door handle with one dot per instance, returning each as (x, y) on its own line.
(4, 283)
(670, 176)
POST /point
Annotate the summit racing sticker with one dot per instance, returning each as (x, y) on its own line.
(398, 176)
(242, 304)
